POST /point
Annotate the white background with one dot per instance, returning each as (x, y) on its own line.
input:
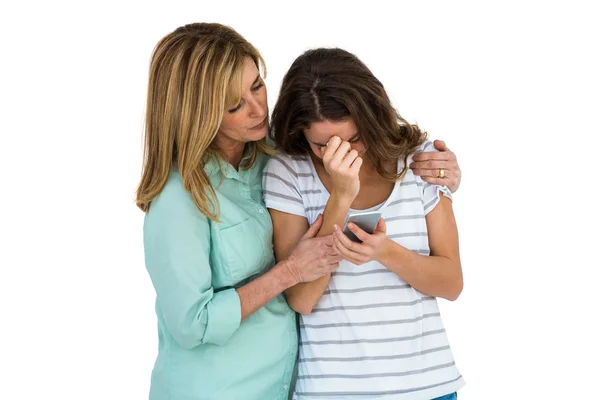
(513, 88)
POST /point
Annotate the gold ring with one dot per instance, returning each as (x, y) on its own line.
(441, 173)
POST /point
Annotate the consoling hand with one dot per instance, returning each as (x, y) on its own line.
(313, 257)
(438, 168)
(359, 253)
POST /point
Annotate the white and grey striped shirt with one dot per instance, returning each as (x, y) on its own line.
(371, 335)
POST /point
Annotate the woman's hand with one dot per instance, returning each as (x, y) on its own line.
(428, 165)
(342, 164)
(313, 257)
(371, 248)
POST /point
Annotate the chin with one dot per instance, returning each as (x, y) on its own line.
(256, 135)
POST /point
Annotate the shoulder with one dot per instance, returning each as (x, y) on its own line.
(287, 164)
(173, 202)
(426, 147)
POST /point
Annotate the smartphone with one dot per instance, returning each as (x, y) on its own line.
(367, 221)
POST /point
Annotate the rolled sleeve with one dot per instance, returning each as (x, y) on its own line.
(177, 252)
(224, 314)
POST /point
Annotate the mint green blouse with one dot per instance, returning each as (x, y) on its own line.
(195, 264)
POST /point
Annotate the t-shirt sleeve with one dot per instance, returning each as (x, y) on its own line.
(430, 193)
(281, 189)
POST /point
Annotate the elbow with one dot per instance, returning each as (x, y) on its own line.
(300, 307)
(455, 290)
(186, 339)
(187, 344)
(211, 320)
(304, 310)
(191, 334)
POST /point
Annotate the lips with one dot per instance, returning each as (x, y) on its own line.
(260, 126)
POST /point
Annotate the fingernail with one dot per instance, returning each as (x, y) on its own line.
(350, 225)
(412, 165)
(335, 228)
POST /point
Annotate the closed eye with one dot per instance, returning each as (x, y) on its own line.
(231, 111)
(254, 89)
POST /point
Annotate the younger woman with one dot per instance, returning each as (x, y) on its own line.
(372, 329)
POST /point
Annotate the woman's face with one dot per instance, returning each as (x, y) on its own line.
(318, 135)
(247, 121)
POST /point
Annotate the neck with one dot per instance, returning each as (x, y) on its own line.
(369, 170)
(233, 151)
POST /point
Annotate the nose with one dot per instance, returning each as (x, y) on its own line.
(257, 109)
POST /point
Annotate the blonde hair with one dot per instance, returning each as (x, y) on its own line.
(195, 73)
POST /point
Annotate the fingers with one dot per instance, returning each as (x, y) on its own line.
(334, 259)
(433, 164)
(440, 145)
(359, 233)
(355, 168)
(349, 159)
(332, 267)
(339, 235)
(427, 165)
(431, 155)
(380, 226)
(451, 183)
(340, 154)
(349, 255)
(314, 228)
(332, 147)
(433, 173)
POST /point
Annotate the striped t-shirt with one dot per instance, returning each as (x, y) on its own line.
(371, 335)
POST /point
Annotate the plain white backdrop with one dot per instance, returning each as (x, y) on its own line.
(512, 87)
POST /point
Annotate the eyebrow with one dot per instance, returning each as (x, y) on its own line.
(253, 83)
(323, 145)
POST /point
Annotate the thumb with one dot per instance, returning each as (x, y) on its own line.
(381, 226)
(440, 145)
(314, 228)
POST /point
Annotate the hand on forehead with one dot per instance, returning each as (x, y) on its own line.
(320, 133)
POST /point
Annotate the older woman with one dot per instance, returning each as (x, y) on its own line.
(225, 330)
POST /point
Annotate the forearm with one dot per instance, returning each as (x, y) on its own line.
(431, 275)
(335, 212)
(304, 296)
(263, 289)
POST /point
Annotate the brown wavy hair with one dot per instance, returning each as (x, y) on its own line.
(195, 74)
(331, 84)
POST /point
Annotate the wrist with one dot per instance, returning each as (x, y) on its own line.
(342, 199)
(386, 252)
(285, 275)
